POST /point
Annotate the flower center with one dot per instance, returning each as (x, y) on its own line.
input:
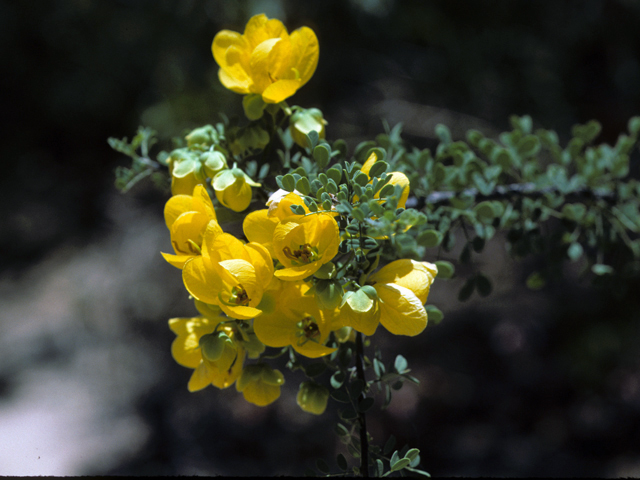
(306, 254)
(307, 330)
(239, 296)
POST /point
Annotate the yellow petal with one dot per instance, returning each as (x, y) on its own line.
(305, 53)
(223, 41)
(373, 158)
(184, 185)
(291, 274)
(262, 262)
(225, 247)
(260, 393)
(365, 322)
(259, 227)
(176, 206)
(415, 276)
(185, 351)
(259, 28)
(177, 261)
(201, 280)
(280, 90)
(188, 227)
(202, 202)
(235, 81)
(401, 312)
(226, 378)
(201, 377)
(262, 63)
(312, 349)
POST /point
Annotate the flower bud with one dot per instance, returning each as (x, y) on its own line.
(260, 384)
(233, 189)
(312, 398)
(212, 163)
(214, 344)
(205, 136)
(304, 121)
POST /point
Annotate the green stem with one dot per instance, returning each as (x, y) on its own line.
(364, 441)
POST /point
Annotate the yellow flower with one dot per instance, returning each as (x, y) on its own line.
(229, 274)
(266, 60)
(187, 218)
(312, 398)
(233, 189)
(260, 384)
(304, 243)
(188, 352)
(397, 178)
(401, 290)
(292, 318)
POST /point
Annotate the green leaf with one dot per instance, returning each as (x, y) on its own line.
(337, 379)
(349, 414)
(298, 209)
(443, 133)
(429, 238)
(434, 314)
(378, 169)
(411, 454)
(342, 462)
(400, 364)
(528, 146)
(288, 183)
(303, 186)
(634, 126)
(445, 269)
(315, 369)
(574, 251)
(483, 284)
(601, 269)
(587, 132)
(389, 445)
(467, 289)
(400, 464)
(380, 467)
(321, 154)
(335, 174)
(339, 395)
(536, 281)
(253, 106)
(365, 404)
(322, 466)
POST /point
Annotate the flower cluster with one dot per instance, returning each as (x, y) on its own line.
(305, 277)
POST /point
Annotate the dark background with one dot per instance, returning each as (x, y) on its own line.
(521, 383)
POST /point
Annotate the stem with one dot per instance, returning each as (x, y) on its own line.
(364, 441)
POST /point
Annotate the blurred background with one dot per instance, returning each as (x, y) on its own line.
(520, 383)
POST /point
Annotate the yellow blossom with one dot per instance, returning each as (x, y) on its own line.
(233, 189)
(266, 60)
(187, 351)
(260, 384)
(304, 243)
(393, 296)
(187, 218)
(229, 274)
(292, 318)
(312, 398)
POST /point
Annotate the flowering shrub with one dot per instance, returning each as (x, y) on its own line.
(330, 249)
